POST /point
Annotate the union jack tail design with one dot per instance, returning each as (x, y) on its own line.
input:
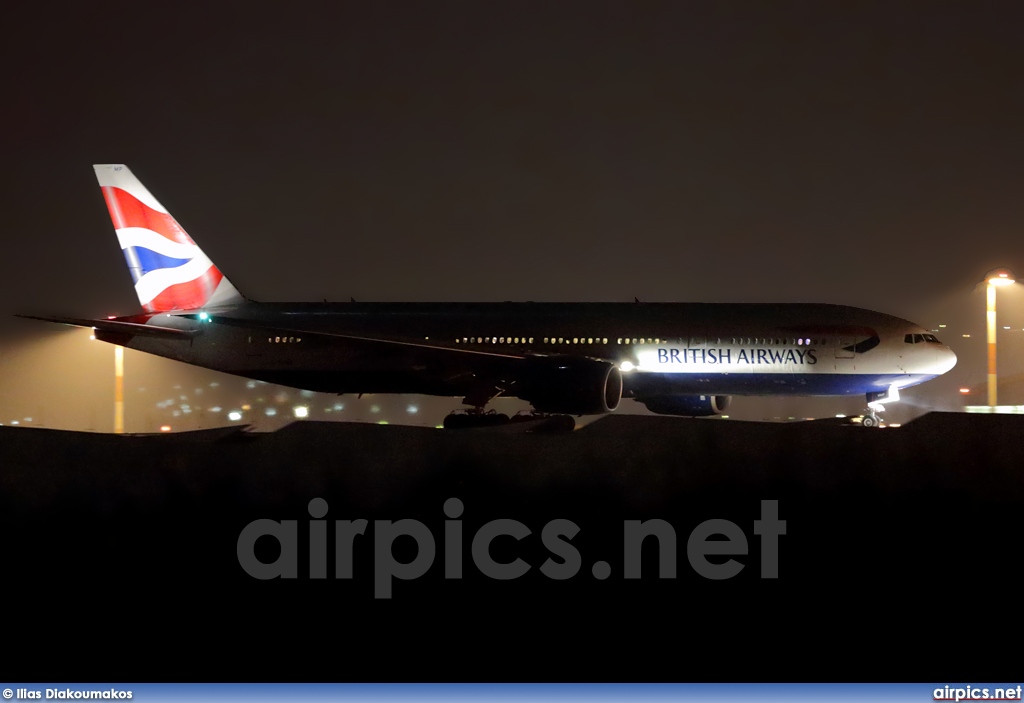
(170, 272)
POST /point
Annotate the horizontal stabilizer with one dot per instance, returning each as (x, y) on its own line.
(133, 328)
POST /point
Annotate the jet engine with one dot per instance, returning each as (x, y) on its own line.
(688, 405)
(571, 385)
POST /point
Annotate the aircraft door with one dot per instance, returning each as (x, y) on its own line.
(843, 342)
(254, 344)
(698, 344)
(698, 339)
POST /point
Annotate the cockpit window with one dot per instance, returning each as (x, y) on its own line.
(915, 338)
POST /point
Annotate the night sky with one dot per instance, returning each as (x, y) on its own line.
(863, 153)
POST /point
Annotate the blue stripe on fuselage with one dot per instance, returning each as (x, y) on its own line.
(825, 384)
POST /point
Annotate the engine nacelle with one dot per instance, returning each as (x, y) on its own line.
(688, 405)
(572, 386)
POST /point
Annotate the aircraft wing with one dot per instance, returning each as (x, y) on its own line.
(133, 328)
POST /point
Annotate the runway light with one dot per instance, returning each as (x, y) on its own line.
(165, 428)
(840, 415)
(383, 422)
(967, 336)
(15, 422)
(627, 366)
(270, 412)
(215, 409)
(234, 416)
(941, 325)
(92, 336)
(246, 407)
(1006, 327)
(965, 391)
(301, 411)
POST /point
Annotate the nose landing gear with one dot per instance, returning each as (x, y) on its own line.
(875, 406)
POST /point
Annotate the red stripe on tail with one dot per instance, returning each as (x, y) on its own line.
(126, 211)
(187, 296)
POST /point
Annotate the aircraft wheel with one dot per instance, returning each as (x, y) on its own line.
(869, 421)
(455, 422)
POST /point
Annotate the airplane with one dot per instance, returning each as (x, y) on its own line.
(565, 359)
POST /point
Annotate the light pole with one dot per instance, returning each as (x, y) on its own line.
(995, 279)
(118, 389)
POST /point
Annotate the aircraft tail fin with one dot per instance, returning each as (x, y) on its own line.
(169, 270)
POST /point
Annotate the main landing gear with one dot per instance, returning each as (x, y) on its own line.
(875, 406)
(475, 416)
(530, 422)
(465, 419)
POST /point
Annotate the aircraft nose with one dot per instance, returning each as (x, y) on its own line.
(947, 360)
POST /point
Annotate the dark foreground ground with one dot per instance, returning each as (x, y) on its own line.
(902, 558)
